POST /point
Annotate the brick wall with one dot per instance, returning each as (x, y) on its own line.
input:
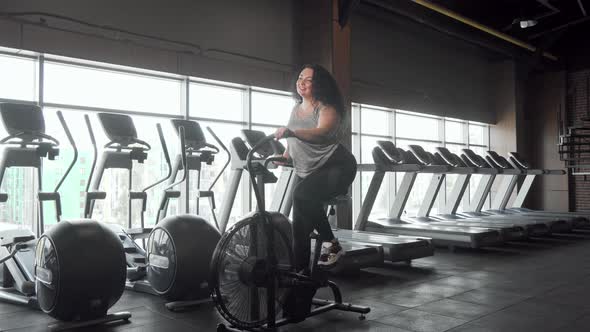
(578, 108)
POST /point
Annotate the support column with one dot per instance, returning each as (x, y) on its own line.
(324, 41)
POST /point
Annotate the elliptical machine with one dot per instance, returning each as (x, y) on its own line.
(123, 149)
(197, 151)
(177, 262)
(55, 273)
(177, 248)
(252, 270)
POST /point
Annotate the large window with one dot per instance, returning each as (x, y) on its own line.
(18, 76)
(216, 102)
(270, 108)
(371, 124)
(76, 84)
(79, 87)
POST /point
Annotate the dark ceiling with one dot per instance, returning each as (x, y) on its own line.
(559, 22)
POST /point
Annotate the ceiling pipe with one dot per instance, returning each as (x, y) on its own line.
(449, 13)
(561, 27)
(552, 10)
(402, 9)
(582, 7)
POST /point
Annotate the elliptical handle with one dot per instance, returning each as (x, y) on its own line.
(226, 151)
(259, 198)
(94, 147)
(166, 156)
(64, 125)
(183, 159)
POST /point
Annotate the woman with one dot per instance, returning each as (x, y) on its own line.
(324, 168)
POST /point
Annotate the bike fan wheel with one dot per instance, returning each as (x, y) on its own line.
(239, 279)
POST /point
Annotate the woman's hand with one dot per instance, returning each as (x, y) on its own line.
(283, 132)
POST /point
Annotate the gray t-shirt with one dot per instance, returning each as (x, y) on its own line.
(308, 157)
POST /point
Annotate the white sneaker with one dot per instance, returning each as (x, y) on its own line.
(330, 253)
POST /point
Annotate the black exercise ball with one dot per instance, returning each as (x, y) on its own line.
(179, 252)
(80, 270)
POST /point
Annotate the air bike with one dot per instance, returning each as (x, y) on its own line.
(59, 271)
(252, 270)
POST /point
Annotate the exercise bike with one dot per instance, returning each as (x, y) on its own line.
(252, 270)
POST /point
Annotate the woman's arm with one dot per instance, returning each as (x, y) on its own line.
(327, 122)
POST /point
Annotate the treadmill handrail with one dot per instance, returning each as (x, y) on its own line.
(554, 172)
(389, 168)
(436, 169)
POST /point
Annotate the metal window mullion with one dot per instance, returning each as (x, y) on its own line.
(37, 185)
(80, 108)
(417, 140)
(467, 195)
(247, 118)
(442, 135)
(357, 189)
(219, 84)
(391, 176)
(185, 105)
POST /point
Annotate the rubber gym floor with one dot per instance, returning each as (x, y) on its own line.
(538, 285)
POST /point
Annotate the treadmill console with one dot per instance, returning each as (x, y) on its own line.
(437, 159)
(500, 161)
(420, 154)
(390, 151)
(445, 154)
(475, 159)
(450, 158)
(519, 161)
(468, 161)
(380, 158)
(408, 157)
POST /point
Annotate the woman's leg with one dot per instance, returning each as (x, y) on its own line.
(309, 196)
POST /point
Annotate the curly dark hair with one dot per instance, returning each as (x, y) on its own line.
(324, 88)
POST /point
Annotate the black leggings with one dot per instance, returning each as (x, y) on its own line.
(309, 196)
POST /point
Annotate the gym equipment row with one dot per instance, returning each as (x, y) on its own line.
(246, 269)
(473, 229)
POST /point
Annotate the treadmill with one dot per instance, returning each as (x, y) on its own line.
(357, 255)
(388, 158)
(555, 225)
(397, 248)
(508, 230)
(464, 170)
(516, 160)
